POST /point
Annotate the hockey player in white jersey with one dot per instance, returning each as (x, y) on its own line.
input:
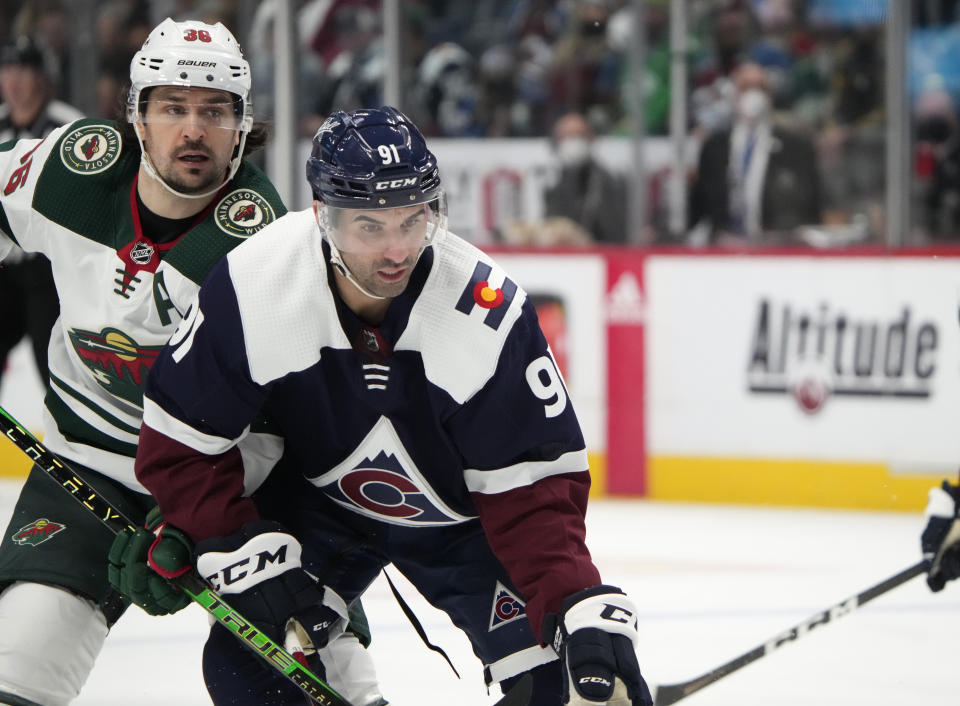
(132, 216)
(417, 396)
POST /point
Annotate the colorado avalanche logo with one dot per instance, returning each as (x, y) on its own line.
(90, 149)
(379, 480)
(243, 212)
(506, 607)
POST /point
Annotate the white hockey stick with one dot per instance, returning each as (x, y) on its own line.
(671, 693)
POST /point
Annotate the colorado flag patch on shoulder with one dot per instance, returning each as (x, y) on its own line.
(480, 293)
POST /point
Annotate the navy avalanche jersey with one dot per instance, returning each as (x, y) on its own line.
(455, 392)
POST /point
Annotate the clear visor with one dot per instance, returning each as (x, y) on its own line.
(217, 113)
(383, 230)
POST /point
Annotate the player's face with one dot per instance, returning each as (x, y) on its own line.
(381, 247)
(21, 86)
(190, 135)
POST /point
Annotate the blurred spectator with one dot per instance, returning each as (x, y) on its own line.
(29, 109)
(756, 180)
(30, 304)
(447, 89)
(46, 21)
(857, 79)
(585, 70)
(655, 82)
(308, 66)
(555, 231)
(731, 31)
(585, 191)
(938, 151)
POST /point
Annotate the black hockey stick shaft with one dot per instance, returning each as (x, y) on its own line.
(671, 693)
(191, 583)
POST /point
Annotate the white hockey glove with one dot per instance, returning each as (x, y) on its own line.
(596, 636)
(940, 540)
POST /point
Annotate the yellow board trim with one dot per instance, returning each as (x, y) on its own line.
(13, 462)
(598, 473)
(866, 486)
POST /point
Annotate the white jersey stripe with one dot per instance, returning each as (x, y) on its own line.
(156, 418)
(123, 430)
(500, 480)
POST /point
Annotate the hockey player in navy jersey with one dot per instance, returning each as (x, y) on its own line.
(418, 398)
(132, 217)
(940, 541)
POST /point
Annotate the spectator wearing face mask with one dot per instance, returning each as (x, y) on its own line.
(756, 181)
(585, 191)
(938, 146)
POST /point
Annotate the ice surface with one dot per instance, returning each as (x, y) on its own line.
(711, 583)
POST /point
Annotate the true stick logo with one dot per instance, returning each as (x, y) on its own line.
(37, 532)
(261, 643)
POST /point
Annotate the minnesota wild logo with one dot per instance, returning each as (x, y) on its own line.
(37, 532)
(243, 212)
(90, 149)
(118, 363)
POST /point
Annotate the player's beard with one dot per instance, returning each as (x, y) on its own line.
(365, 272)
(211, 173)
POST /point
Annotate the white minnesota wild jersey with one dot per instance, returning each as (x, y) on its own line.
(72, 197)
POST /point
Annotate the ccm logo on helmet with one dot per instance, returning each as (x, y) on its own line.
(191, 62)
(395, 183)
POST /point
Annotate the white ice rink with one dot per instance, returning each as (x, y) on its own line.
(711, 582)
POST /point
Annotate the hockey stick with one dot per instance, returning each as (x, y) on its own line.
(671, 693)
(191, 584)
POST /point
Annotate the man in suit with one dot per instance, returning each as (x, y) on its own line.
(585, 191)
(756, 181)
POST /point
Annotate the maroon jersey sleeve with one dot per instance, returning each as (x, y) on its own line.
(538, 533)
(201, 495)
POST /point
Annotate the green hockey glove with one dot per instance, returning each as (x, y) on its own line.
(140, 563)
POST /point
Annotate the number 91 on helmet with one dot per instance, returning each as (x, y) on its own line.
(376, 184)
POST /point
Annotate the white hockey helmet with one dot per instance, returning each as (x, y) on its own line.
(192, 54)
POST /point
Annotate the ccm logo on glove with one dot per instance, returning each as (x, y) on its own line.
(263, 557)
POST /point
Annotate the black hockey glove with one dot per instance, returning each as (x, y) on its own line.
(596, 637)
(139, 561)
(257, 570)
(940, 540)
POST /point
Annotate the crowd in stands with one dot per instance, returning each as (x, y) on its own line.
(512, 68)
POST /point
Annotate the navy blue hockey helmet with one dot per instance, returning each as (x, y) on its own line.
(375, 160)
(372, 158)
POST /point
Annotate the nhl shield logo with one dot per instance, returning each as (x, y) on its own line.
(90, 149)
(243, 212)
(37, 532)
(141, 253)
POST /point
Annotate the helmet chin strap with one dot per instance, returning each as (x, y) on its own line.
(149, 168)
(337, 261)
